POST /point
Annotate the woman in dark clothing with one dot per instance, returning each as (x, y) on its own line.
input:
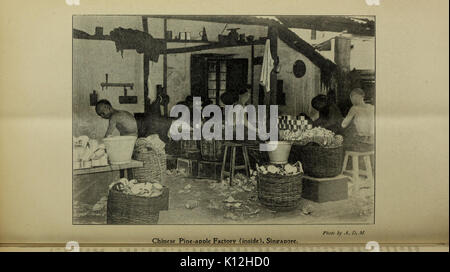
(330, 116)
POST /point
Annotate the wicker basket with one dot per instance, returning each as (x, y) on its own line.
(280, 193)
(123, 209)
(320, 162)
(155, 166)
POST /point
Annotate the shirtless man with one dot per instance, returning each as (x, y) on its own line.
(122, 120)
(362, 115)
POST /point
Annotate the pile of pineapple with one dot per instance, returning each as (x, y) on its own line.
(318, 135)
(133, 187)
(283, 170)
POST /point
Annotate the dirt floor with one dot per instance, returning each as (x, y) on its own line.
(205, 201)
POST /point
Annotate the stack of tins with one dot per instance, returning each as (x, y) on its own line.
(280, 192)
(123, 209)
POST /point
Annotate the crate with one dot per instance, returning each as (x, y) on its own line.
(212, 150)
(325, 189)
(189, 166)
(207, 169)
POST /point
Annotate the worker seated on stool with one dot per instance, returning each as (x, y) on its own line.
(122, 120)
(362, 117)
(234, 98)
(329, 115)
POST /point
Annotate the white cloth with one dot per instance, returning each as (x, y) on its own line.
(267, 67)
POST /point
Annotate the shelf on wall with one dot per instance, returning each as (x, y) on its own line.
(185, 41)
(78, 34)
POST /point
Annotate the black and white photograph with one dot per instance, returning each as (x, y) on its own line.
(309, 160)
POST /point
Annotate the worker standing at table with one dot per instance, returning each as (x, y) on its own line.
(121, 120)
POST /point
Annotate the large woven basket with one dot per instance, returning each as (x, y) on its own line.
(280, 193)
(155, 166)
(320, 162)
(123, 209)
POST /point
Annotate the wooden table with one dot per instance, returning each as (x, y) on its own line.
(112, 167)
(82, 181)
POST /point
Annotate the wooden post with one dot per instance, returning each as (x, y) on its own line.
(146, 60)
(342, 47)
(165, 67)
(273, 36)
(252, 69)
(342, 53)
(145, 24)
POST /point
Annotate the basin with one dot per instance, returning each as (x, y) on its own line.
(281, 151)
(119, 148)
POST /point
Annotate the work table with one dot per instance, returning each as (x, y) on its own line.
(108, 168)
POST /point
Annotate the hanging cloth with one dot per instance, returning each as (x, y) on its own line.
(267, 67)
(142, 42)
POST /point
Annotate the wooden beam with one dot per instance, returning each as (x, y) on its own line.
(225, 19)
(187, 41)
(252, 69)
(165, 67)
(78, 34)
(206, 45)
(146, 60)
(273, 36)
(210, 46)
(145, 24)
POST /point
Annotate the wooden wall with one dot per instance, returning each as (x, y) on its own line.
(92, 59)
(299, 91)
(178, 72)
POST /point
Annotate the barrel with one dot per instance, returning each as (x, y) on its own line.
(212, 150)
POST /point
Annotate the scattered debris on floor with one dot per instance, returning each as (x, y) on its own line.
(306, 209)
(92, 214)
(100, 205)
(176, 172)
(192, 204)
(195, 200)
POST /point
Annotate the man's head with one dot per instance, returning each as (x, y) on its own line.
(229, 97)
(357, 96)
(319, 102)
(104, 109)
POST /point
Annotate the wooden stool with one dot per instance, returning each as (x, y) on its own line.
(233, 166)
(356, 172)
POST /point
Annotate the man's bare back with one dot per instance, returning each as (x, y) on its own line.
(124, 122)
